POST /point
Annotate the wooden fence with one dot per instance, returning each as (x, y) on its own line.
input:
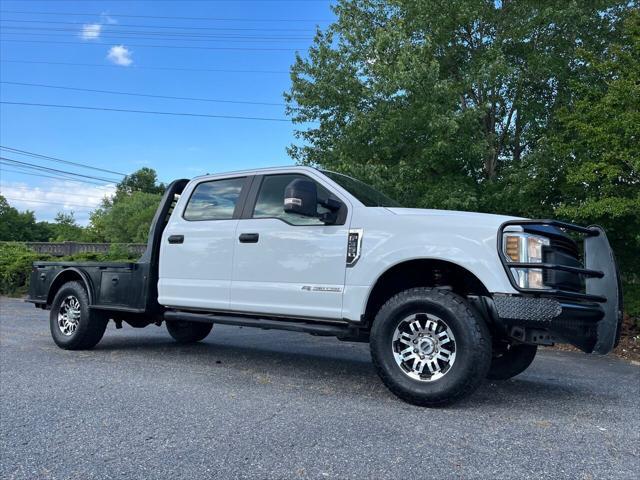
(63, 249)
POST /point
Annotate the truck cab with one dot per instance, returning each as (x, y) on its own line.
(444, 298)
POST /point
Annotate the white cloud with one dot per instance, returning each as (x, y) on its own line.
(108, 19)
(90, 31)
(56, 196)
(120, 55)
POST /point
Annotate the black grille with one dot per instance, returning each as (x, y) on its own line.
(565, 245)
(563, 251)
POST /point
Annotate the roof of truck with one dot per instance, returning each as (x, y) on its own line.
(259, 171)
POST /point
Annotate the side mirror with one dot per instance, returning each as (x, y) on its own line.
(301, 197)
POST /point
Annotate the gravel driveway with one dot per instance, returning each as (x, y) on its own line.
(248, 403)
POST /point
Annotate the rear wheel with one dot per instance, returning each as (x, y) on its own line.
(73, 325)
(429, 347)
(509, 360)
(188, 332)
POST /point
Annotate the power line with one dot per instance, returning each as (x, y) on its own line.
(50, 203)
(171, 35)
(113, 92)
(217, 19)
(180, 27)
(2, 169)
(184, 47)
(137, 67)
(117, 37)
(62, 176)
(51, 192)
(35, 166)
(182, 114)
(46, 157)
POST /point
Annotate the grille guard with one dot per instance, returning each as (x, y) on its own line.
(602, 278)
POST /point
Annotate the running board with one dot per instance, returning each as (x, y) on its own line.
(265, 324)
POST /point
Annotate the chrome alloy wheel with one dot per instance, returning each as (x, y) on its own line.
(424, 347)
(69, 315)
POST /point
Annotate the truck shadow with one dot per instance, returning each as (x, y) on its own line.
(327, 366)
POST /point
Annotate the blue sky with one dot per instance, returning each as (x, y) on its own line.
(111, 34)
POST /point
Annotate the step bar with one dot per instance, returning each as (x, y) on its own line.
(343, 330)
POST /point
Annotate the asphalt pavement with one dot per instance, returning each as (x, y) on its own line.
(248, 403)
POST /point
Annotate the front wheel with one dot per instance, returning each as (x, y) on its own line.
(429, 347)
(188, 332)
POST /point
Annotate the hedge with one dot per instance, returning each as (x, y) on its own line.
(16, 260)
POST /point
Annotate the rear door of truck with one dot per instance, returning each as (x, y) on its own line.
(197, 245)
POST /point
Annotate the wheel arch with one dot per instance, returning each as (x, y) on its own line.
(69, 275)
(421, 272)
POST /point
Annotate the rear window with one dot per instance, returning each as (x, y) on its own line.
(215, 200)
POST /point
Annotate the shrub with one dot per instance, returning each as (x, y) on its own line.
(16, 260)
(632, 301)
(15, 267)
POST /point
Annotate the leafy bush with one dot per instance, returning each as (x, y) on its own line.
(16, 260)
(632, 301)
(15, 267)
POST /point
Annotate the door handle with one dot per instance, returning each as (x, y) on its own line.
(176, 238)
(249, 237)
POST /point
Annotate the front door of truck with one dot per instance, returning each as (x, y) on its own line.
(286, 264)
(197, 246)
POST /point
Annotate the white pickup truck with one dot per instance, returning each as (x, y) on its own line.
(444, 298)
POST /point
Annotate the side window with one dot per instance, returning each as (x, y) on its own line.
(270, 201)
(214, 200)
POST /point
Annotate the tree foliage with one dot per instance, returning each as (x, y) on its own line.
(143, 180)
(126, 217)
(517, 107)
(65, 228)
(598, 139)
(21, 226)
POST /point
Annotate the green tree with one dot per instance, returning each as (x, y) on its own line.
(143, 180)
(127, 219)
(598, 138)
(21, 226)
(65, 228)
(127, 216)
(520, 107)
(437, 101)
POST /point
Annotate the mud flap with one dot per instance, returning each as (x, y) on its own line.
(599, 256)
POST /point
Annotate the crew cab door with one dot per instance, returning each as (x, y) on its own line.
(197, 245)
(287, 264)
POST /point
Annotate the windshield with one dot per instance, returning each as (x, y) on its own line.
(368, 195)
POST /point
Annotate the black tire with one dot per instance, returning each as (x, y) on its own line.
(510, 360)
(472, 347)
(188, 332)
(89, 326)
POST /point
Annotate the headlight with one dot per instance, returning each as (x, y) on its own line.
(525, 248)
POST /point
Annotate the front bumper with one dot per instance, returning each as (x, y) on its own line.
(589, 320)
